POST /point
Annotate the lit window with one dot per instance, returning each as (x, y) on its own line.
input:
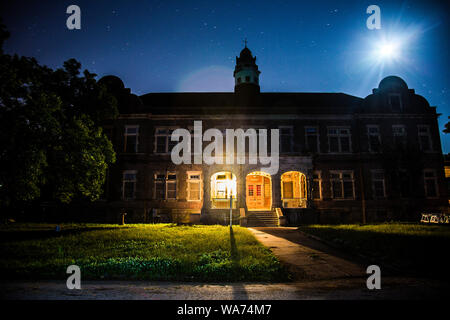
(129, 185)
(194, 186)
(339, 139)
(342, 184)
(131, 139)
(223, 186)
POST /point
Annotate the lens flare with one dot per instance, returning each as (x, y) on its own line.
(388, 51)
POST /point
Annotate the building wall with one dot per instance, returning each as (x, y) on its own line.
(360, 161)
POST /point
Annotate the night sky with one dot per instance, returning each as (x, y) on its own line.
(301, 46)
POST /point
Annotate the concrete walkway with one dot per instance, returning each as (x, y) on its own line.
(306, 258)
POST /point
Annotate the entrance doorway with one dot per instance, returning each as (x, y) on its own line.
(258, 191)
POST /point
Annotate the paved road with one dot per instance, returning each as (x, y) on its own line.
(320, 272)
(392, 288)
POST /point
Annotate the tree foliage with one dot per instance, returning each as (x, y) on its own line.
(447, 127)
(52, 145)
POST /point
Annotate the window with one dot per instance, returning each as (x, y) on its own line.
(129, 185)
(171, 184)
(430, 183)
(339, 139)
(223, 186)
(405, 184)
(239, 80)
(378, 184)
(247, 79)
(285, 139)
(160, 188)
(131, 139)
(194, 186)
(424, 138)
(163, 142)
(399, 133)
(373, 132)
(395, 102)
(312, 139)
(317, 186)
(342, 184)
(165, 186)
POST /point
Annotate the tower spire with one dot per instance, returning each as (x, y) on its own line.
(246, 73)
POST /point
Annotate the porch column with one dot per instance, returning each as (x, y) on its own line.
(206, 190)
(276, 190)
(309, 183)
(241, 191)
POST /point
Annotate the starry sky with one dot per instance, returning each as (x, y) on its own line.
(301, 46)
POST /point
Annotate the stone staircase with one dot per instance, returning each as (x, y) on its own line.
(263, 219)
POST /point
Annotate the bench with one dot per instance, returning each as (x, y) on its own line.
(436, 218)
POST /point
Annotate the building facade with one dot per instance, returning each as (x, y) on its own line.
(341, 158)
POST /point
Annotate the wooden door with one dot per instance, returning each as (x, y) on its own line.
(255, 192)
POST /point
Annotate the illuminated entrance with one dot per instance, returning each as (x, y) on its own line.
(223, 185)
(259, 191)
(293, 189)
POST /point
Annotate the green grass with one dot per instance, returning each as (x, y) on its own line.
(412, 248)
(136, 252)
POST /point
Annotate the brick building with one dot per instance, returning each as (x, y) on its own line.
(342, 158)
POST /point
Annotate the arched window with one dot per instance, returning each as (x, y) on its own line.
(293, 189)
(223, 186)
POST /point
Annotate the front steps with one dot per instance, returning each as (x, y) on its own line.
(263, 218)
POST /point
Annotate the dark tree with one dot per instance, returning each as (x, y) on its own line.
(51, 143)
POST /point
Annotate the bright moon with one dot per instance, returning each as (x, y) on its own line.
(388, 50)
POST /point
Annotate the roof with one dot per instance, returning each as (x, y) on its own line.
(265, 102)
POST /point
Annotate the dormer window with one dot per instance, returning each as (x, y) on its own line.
(395, 102)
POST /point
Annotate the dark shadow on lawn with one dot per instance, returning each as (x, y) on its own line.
(399, 254)
(239, 292)
(14, 235)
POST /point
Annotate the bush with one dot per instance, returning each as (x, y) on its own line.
(180, 217)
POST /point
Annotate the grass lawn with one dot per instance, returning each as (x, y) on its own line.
(136, 252)
(416, 249)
